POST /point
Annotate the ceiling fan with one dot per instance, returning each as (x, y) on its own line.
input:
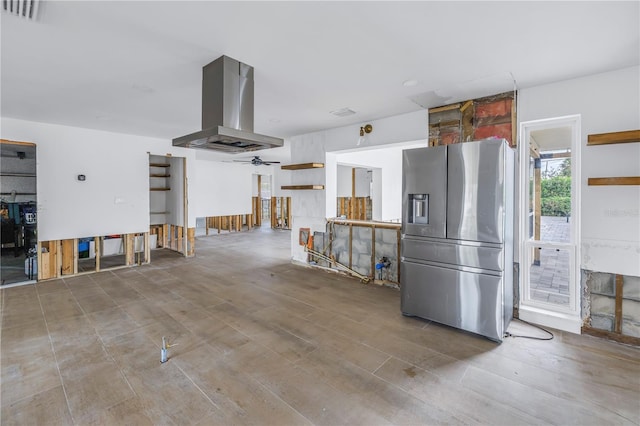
(257, 161)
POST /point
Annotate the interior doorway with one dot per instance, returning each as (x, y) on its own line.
(18, 209)
(168, 203)
(549, 231)
(264, 195)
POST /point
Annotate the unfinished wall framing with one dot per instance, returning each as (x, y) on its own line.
(230, 223)
(168, 204)
(612, 306)
(474, 119)
(358, 208)
(370, 249)
(62, 258)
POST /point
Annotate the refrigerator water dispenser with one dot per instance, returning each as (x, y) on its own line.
(419, 204)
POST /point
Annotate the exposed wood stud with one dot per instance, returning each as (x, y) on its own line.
(97, 243)
(129, 249)
(68, 256)
(373, 252)
(618, 307)
(350, 245)
(297, 187)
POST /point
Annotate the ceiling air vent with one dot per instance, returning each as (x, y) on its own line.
(27, 9)
(343, 112)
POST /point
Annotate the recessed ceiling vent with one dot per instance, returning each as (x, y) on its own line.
(27, 9)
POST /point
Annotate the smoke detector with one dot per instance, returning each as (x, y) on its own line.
(343, 112)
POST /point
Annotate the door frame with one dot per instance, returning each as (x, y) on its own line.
(38, 260)
(541, 313)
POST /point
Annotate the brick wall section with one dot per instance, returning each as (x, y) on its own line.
(491, 116)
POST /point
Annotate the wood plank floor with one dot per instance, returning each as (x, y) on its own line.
(259, 340)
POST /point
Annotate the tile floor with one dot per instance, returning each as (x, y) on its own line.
(259, 340)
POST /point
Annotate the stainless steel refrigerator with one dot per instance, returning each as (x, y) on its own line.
(457, 235)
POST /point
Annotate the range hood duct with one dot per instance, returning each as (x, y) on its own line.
(227, 111)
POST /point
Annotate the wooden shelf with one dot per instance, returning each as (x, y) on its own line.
(158, 212)
(159, 175)
(159, 165)
(18, 193)
(159, 189)
(303, 166)
(627, 180)
(614, 137)
(18, 174)
(302, 187)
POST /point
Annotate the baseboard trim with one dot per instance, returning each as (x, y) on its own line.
(559, 321)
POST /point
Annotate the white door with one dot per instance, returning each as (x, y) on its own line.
(549, 222)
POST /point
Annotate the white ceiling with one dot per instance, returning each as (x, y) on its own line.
(135, 67)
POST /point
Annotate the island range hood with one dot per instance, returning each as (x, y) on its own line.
(227, 111)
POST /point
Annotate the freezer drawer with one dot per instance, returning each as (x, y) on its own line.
(454, 253)
(465, 300)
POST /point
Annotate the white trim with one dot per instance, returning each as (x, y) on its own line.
(18, 284)
(551, 315)
(566, 322)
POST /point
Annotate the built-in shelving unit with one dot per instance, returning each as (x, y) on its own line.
(158, 183)
(626, 180)
(18, 174)
(302, 166)
(627, 136)
(156, 174)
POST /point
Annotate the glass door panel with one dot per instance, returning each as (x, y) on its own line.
(550, 276)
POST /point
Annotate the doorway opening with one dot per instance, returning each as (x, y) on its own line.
(549, 222)
(168, 204)
(18, 210)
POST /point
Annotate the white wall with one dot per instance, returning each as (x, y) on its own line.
(280, 178)
(23, 186)
(175, 197)
(608, 102)
(115, 197)
(343, 181)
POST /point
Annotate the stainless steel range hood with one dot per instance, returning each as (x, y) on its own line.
(227, 111)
